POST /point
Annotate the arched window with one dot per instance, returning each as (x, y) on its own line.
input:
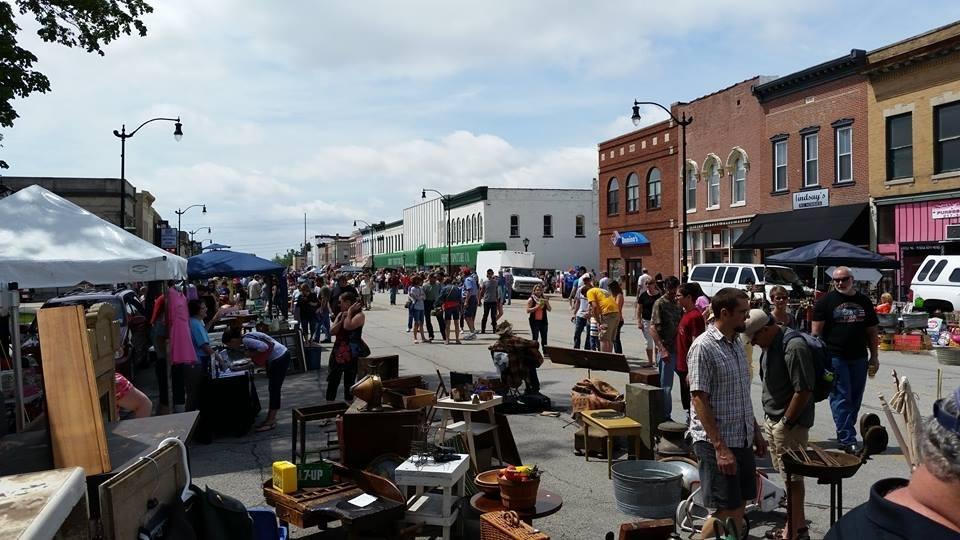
(613, 197)
(653, 189)
(739, 187)
(479, 227)
(691, 186)
(469, 229)
(713, 184)
(473, 221)
(633, 193)
(463, 230)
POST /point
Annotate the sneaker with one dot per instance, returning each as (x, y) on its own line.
(469, 337)
(408, 330)
(853, 448)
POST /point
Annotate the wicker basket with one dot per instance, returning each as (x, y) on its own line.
(948, 356)
(507, 526)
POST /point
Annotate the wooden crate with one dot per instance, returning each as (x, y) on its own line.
(413, 398)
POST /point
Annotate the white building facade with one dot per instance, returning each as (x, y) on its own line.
(558, 225)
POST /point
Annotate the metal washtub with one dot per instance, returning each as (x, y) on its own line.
(645, 488)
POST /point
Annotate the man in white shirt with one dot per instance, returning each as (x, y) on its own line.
(643, 280)
(605, 282)
(253, 288)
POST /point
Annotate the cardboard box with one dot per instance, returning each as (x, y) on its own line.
(412, 398)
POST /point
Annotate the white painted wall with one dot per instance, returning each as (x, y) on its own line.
(564, 249)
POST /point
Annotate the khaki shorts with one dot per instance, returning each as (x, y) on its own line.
(612, 322)
(780, 439)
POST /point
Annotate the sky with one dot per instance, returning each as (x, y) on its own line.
(345, 110)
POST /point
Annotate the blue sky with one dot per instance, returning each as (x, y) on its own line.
(344, 110)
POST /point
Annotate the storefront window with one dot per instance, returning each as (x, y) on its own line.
(886, 224)
(743, 255)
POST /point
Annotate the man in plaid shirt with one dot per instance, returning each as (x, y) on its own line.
(724, 430)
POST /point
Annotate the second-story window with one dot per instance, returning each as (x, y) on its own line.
(547, 226)
(514, 226)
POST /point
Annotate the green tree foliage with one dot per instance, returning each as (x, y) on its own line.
(285, 259)
(90, 24)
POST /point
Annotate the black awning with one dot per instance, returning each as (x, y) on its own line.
(849, 223)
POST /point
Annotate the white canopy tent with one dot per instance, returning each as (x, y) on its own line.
(47, 241)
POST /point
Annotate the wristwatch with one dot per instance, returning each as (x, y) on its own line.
(787, 423)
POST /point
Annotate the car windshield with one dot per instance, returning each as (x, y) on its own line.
(779, 276)
(525, 272)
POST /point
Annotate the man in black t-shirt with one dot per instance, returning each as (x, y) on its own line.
(847, 323)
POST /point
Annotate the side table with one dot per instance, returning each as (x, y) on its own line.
(467, 426)
(433, 508)
(611, 427)
(301, 416)
(548, 503)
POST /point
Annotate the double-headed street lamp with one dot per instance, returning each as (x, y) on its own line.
(446, 205)
(123, 135)
(684, 121)
(180, 214)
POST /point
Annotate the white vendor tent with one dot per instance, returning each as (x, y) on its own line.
(47, 241)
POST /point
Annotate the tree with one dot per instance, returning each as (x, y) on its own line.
(285, 260)
(90, 24)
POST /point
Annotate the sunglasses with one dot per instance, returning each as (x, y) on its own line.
(842, 279)
(778, 298)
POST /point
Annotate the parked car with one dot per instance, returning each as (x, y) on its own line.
(937, 281)
(715, 276)
(129, 312)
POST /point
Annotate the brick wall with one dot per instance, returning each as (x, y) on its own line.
(818, 107)
(639, 152)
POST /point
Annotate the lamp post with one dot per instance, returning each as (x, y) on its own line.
(370, 230)
(446, 205)
(526, 243)
(684, 121)
(209, 231)
(180, 214)
(123, 135)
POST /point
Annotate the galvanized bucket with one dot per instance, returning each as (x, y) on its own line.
(645, 488)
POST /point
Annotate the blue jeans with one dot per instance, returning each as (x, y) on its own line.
(666, 383)
(581, 323)
(505, 294)
(410, 317)
(393, 296)
(850, 380)
(323, 325)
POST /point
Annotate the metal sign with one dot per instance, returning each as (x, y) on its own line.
(945, 210)
(168, 237)
(817, 198)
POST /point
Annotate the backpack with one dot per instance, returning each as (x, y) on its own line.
(823, 376)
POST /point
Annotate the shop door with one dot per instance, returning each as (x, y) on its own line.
(634, 271)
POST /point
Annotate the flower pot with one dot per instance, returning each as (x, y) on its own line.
(519, 495)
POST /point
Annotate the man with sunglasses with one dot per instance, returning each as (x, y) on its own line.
(844, 318)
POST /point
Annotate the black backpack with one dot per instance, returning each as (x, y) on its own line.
(823, 376)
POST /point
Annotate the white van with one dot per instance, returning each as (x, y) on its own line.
(520, 264)
(938, 282)
(715, 276)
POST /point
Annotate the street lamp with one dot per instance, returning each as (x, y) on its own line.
(370, 229)
(180, 214)
(684, 121)
(446, 205)
(195, 231)
(526, 243)
(123, 135)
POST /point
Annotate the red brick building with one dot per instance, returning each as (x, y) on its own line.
(813, 182)
(726, 171)
(638, 185)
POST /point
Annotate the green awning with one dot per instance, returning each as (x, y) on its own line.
(463, 255)
(410, 259)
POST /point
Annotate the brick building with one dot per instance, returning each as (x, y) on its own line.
(814, 181)
(726, 178)
(914, 116)
(638, 201)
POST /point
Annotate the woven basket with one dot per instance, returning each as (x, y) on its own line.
(507, 526)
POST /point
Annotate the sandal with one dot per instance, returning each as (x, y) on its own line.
(265, 427)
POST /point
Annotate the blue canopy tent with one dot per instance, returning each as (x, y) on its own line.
(225, 263)
(834, 253)
(214, 246)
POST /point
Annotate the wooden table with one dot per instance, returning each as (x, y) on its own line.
(43, 504)
(433, 508)
(611, 427)
(548, 503)
(467, 426)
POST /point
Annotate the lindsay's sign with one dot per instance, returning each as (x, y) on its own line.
(811, 199)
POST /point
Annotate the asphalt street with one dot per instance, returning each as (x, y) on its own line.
(239, 466)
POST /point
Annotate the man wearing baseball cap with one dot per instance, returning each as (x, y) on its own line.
(788, 375)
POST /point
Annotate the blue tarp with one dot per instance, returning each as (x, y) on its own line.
(630, 239)
(224, 263)
(833, 253)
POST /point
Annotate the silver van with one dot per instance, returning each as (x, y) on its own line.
(937, 281)
(715, 276)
